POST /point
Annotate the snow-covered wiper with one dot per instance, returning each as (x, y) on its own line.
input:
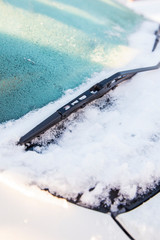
(95, 92)
(157, 33)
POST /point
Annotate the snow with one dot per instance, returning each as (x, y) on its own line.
(148, 8)
(105, 146)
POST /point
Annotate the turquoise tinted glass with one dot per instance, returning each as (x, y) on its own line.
(49, 46)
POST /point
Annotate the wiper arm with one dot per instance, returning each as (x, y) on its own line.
(95, 92)
(157, 33)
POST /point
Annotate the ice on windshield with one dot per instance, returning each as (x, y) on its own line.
(50, 46)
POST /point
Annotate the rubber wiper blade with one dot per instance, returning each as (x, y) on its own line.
(95, 92)
(157, 33)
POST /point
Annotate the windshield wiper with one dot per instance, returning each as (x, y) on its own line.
(157, 33)
(95, 92)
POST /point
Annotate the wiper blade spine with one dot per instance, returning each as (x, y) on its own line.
(95, 92)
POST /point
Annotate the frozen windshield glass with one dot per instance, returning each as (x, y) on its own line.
(49, 46)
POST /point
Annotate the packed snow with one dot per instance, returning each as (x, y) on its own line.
(105, 146)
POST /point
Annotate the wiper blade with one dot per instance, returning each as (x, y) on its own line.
(95, 92)
(157, 33)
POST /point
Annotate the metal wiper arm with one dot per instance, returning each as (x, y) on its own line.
(95, 92)
(157, 33)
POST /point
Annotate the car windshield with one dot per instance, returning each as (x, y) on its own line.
(48, 47)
